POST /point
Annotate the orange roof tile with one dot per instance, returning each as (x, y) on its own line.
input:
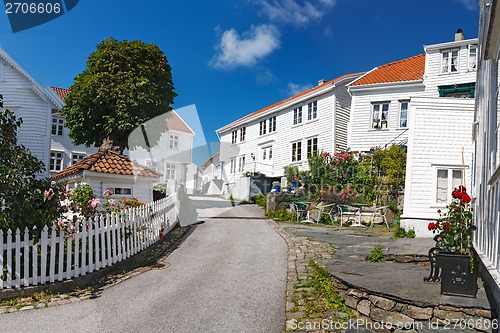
(410, 69)
(293, 97)
(108, 162)
(61, 92)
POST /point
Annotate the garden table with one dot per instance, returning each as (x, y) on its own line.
(307, 204)
(360, 206)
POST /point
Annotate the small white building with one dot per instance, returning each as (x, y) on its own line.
(29, 101)
(212, 173)
(63, 152)
(255, 149)
(165, 144)
(109, 170)
(486, 191)
(425, 103)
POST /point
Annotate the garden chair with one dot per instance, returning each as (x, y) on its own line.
(380, 212)
(328, 210)
(298, 209)
(348, 213)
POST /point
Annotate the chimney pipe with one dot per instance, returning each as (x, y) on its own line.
(459, 35)
(321, 82)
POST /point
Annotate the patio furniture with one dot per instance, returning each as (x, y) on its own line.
(307, 207)
(348, 213)
(380, 212)
(298, 209)
(328, 210)
(360, 206)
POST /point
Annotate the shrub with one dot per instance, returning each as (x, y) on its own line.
(400, 232)
(280, 215)
(376, 255)
(260, 200)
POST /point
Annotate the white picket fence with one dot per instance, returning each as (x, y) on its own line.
(101, 242)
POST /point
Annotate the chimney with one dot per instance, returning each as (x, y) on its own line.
(459, 35)
(321, 82)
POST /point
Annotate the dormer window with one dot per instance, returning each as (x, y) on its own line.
(449, 61)
(472, 63)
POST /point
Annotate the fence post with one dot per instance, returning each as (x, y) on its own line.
(1, 259)
(9, 258)
(44, 240)
(26, 256)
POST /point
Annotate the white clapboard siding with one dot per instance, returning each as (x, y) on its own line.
(101, 242)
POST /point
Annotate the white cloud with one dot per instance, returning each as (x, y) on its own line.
(294, 88)
(470, 4)
(294, 11)
(235, 50)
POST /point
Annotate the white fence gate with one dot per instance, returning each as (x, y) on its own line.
(101, 242)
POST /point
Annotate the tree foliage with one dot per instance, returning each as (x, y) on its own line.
(124, 85)
(22, 203)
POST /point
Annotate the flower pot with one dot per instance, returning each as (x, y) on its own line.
(456, 276)
(295, 184)
(276, 188)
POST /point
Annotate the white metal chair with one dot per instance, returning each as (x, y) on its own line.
(298, 209)
(328, 210)
(348, 213)
(380, 212)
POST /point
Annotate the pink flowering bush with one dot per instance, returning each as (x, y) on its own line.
(454, 228)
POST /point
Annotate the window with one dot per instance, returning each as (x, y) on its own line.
(297, 115)
(403, 114)
(462, 90)
(57, 126)
(56, 161)
(380, 115)
(472, 57)
(233, 165)
(151, 164)
(169, 171)
(447, 180)
(272, 124)
(449, 61)
(312, 146)
(76, 157)
(312, 110)
(241, 164)
(267, 155)
(296, 151)
(120, 190)
(243, 131)
(262, 130)
(174, 141)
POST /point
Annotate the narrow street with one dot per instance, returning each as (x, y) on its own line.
(229, 275)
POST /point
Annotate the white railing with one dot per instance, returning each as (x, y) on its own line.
(101, 242)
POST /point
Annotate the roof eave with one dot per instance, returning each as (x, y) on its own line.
(387, 85)
(447, 45)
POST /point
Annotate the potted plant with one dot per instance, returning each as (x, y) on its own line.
(276, 186)
(455, 258)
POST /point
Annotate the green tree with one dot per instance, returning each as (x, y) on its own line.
(124, 85)
(22, 203)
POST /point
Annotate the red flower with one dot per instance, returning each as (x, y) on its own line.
(457, 194)
(162, 232)
(439, 211)
(326, 154)
(465, 198)
(462, 189)
(447, 225)
(430, 226)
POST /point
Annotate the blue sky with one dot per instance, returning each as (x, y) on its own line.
(231, 58)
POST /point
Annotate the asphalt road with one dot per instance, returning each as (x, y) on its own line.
(229, 275)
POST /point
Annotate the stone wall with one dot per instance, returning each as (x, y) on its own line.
(281, 200)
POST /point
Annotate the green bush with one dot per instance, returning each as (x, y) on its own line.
(280, 215)
(400, 232)
(376, 255)
(260, 200)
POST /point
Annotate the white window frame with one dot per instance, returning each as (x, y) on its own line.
(243, 132)
(56, 161)
(449, 183)
(267, 155)
(311, 146)
(447, 57)
(297, 115)
(170, 171)
(262, 127)
(120, 191)
(380, 106)
(272, 124)
(241, 163)
(232, 163)
(152, 164)
(401, 103)
(296, 151)
(312, 110)
(57, 126)
(77, 157)
(472, 60)
(173, 141)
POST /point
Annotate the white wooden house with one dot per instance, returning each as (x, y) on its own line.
(212, 174)
(29, 101)
(285, 133)
(425, 103)
(171, 155)
(63, 152)
(109, 170)
(486, 191)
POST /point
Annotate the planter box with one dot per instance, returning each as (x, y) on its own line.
(456, 277)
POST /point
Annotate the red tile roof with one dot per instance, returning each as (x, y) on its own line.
(410, 69)
(175, 122)
(294, 97)
(61, 92)
(108, 162)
